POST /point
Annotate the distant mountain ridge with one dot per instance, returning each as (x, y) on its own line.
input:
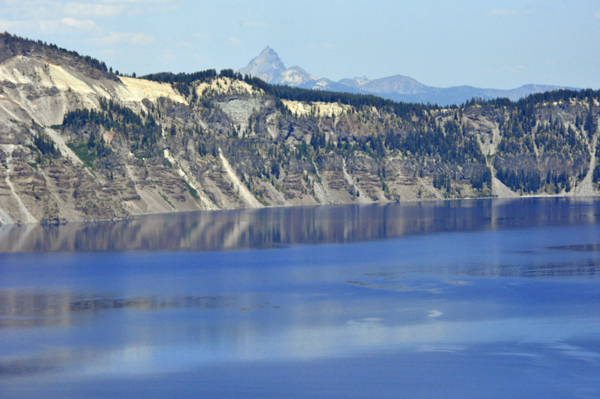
(269, 67)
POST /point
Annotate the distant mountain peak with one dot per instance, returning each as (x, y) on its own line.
(268, 50)
(269, 55)
(267, 66)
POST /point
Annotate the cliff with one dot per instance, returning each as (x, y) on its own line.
(80, 143)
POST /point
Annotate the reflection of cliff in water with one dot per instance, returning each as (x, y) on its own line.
(23, 308)
(272, 227)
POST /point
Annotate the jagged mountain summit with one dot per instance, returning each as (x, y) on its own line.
(267, 66)
(270, 68)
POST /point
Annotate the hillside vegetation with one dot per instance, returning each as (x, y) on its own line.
(79, 142)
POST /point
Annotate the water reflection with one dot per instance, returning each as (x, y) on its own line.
(408, 307)
(580, 247)
(272, 227)
(24, 308)
(332, 328)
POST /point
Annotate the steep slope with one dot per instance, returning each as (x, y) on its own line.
(80, 143)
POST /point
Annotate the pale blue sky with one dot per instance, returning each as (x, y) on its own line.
(499, 44)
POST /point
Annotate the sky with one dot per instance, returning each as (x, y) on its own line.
(491, 44)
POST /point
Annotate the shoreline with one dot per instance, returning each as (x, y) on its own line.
(213, 211)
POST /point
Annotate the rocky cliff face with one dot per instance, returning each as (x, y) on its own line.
(79, 143)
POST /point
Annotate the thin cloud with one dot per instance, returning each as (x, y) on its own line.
(6, 25)
(508, 12)
(79, 24)
(62, 25)
(47, 14)
(122, 38)
(138, 1)
(322, 46)
(597, 15)
(514, 68)
(93, 10)
(185, 44)
(234, 41)
(49, 9)
(201, 36)
(247, 24)
(52, 15)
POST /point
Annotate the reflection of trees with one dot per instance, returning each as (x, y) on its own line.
(19, 308)
(35, 364)
(394, 281)
(272, 227)
(587, 268)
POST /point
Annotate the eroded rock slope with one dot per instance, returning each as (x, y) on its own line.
(78, 143)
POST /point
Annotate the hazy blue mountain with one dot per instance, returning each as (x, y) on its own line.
(269, 67)
(394, 84)
(355, 82)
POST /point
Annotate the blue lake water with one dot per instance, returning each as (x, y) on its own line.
(457, 299)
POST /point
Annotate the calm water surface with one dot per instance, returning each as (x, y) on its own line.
(461, 299)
